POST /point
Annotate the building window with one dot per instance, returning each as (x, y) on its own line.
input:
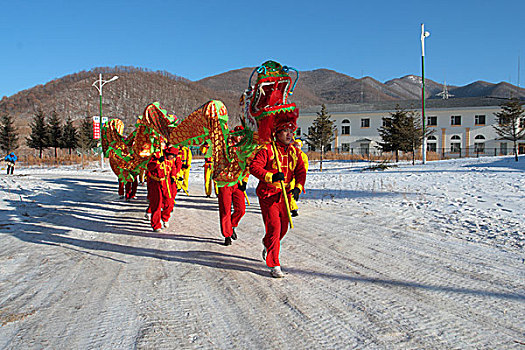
(455, 144)
(455, 120)
(298, 132)
(432, 120)
(345, 147)
(365, 122)
(479, 119)
(522, 123)
(364, 148)
(431, 143)
(387, 122)
(479, 144)
(345, 130)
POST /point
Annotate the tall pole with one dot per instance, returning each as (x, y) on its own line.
(424, 146)
(100, 115)
(101, 83)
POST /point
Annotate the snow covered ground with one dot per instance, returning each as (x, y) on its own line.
(413, 257)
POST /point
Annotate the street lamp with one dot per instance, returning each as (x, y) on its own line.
(101, 83)
(423, 36)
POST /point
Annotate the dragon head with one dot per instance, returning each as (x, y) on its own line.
(268, 96)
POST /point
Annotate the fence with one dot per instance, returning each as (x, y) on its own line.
(443, 153)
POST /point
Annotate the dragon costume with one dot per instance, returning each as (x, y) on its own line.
(262, 102)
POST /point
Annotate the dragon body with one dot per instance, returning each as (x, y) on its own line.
(231, 151)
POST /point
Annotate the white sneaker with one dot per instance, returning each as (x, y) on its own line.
(157, 230)
(147, 216)
(165, 224)
(276, 272)
(264, 252)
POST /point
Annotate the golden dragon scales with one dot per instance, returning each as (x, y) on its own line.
(231, 151)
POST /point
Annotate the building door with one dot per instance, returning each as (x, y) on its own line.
(503, 148)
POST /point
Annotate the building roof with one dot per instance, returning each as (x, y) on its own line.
(409, 104)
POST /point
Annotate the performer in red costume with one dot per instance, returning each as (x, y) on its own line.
(271, 199)
(160, 172)
(176, 166)
(229, 195)
(128, 189)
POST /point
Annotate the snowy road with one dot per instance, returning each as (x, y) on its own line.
(390, 260)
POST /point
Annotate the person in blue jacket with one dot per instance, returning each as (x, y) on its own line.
(10, 159)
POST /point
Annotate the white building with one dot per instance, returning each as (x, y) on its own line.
(462, 126)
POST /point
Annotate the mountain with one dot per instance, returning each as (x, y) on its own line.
(482, 88)
(74, 96)
(409, 87)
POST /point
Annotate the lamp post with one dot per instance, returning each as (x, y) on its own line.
(424, 146)
(101, 83)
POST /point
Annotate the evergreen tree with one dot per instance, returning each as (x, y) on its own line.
(8, 134)
(69, 136)
(411, 131)
(55, 132)
(321, 133)
(390, 143)
(508, 127)
(402, 131)
(85, 137)
(38, 139)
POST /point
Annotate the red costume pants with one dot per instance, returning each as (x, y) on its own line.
(227, 196)
(160, 203)
(275, 218)
(130, 189)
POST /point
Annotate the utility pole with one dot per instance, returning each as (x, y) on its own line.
(424, 146)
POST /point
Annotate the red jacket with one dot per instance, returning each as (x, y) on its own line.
(264, 166)
(176, 165)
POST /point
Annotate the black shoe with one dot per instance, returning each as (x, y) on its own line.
(228, 241)
(294, 213)
(234, 234)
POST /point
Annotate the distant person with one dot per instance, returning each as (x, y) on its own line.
(293, 204)
(208, 170)
(184, 174)
(11, 159)
(271, 199)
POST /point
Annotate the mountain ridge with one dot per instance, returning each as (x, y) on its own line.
(125, 98)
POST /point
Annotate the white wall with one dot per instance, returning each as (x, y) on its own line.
(467, 114)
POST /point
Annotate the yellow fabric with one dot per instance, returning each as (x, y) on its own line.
(268, 177)
(292, 164)
(186, 159)
(185, 179)
(207, 181)
(293, 204)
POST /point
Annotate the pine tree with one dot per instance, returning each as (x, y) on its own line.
(509, 122)
(390, 143)
(8, 134)
(402, 131)
(54, 132)
(69, 135)
(38, 139)
(85, 137)
(321, 133)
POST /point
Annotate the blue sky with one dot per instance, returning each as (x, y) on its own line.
(469, 41)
